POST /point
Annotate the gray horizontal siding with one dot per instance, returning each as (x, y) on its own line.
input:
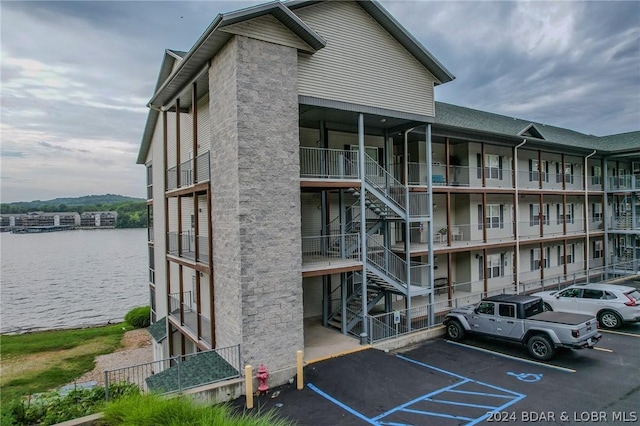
(362, 63)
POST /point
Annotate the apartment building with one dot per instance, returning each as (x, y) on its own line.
(300, 171)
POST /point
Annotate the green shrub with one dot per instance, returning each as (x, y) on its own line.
(139, 317)
(155, 410)
(51, 407)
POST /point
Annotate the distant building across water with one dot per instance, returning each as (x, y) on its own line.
(56, 221)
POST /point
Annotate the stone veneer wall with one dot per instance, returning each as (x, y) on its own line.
(256, 201)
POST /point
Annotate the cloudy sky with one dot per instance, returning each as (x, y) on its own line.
(76, 76)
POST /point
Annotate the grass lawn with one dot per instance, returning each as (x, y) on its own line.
(36, 362)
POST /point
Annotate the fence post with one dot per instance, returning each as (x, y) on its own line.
(106, 385)
(179, 373)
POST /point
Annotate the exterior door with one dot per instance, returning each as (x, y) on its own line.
(506, 324)
(484, 318)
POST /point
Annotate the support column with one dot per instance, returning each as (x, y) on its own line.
(430, 221)
(363, 215)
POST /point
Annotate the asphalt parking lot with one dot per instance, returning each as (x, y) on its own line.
(478, 381)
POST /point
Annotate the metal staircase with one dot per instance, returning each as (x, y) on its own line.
(387, 272)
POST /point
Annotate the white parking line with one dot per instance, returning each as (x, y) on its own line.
(603, 349)
(620, 333)
(556, 367)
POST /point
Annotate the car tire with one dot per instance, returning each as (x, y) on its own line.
(609, 319)
(455, 331)
(540, 347)
(546, 307)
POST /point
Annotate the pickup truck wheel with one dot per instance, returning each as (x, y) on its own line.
(455, 331)
(547, 307)
(609, 319)
(541, 348)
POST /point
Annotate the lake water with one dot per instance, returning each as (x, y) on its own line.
(71, 278)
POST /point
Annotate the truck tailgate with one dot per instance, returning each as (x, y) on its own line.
(562, 317)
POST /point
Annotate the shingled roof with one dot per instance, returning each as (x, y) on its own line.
(482, 121)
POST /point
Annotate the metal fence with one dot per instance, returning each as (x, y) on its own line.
(405, 321)
(179, 373)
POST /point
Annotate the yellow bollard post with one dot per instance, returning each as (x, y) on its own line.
(300, 376)
(248, 377)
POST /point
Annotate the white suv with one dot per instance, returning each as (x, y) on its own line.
(611, 304)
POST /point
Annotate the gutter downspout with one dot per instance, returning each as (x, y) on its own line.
(586, 211)
(363, 228)
(407, 228)
(430, 258)
(517, 212)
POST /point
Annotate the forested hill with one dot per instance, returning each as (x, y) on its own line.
(132, 212)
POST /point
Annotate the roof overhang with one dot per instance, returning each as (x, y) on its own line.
(191, 66)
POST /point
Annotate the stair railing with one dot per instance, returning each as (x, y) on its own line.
(385, 183)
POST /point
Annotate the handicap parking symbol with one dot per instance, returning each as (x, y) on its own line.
(526, 377)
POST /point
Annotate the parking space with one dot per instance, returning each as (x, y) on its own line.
(478, 382)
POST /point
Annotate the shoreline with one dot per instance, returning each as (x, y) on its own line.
(21, 331)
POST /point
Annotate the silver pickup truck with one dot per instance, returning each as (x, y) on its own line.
(523, 319)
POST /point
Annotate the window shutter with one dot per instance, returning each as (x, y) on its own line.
(480, 218)
(531, 215)
(532, 260)
(502, 264)
(531, 179)
(481, 267)
(479, 164)
(572, 212)
(501, 216)
(558, 221)
(500, 167)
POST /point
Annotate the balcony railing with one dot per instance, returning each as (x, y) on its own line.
(531, 180)
(337, 246)
(184, 245)
(321, 163)
(182, 175)
(150, 376)
(625, 182)
(495, 177)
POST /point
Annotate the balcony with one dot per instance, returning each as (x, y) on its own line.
(624, 183)
(185, 306)
(330, 164)
(182, 175)
(495, 177)
(531, 180)
(331, 252)
(184, 245)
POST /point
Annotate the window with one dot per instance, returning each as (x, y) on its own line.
(494, 218)
(569, 213)
(487, 308)
(568, 173)
(570, 292)
(493, 166)
(507, 310)
(535, 259)
(534, 214)
(597, 249)
(149, 182)
(560, 255)
(494, 265)
(571, 253)
(596, 212)
(596, 175)
(535, 168)
(592, 294)
(547, 257)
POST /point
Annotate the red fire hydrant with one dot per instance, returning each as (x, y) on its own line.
(262, 377)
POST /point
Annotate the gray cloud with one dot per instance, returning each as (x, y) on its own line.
(78, 74)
